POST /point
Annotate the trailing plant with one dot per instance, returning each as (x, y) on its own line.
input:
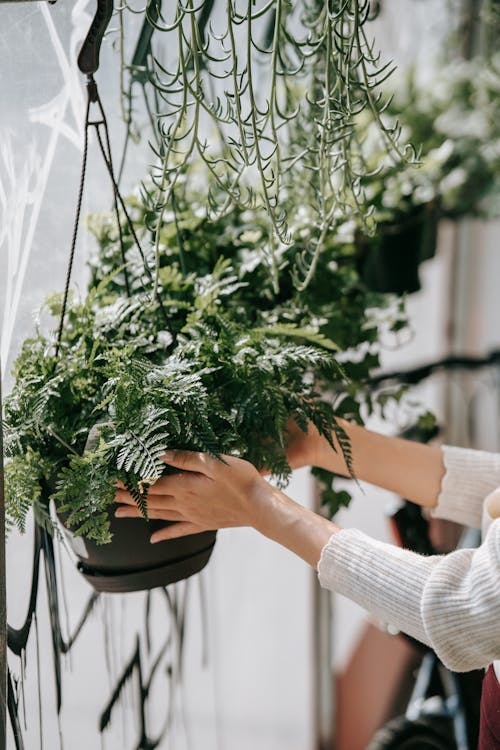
(262, 99)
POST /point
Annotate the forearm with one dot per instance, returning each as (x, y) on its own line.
(410, 469)
(299, 529)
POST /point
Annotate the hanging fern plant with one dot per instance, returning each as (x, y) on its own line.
(236, 362)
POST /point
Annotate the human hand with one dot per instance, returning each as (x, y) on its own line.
(303, 448)
(206, 494)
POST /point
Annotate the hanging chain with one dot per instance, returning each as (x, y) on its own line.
(105, 149)
(76, 223)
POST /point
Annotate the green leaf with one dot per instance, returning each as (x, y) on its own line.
(308, 334)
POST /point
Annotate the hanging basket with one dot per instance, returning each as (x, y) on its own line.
(389, 262)
(131, 563)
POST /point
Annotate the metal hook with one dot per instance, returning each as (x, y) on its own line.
(375, 9)
(88, 59)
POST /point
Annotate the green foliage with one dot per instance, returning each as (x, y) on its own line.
(454, 122)
(256, 102)
(233, 361)
(25, 476)
(84, 491)
(332, 499)
(335, 304)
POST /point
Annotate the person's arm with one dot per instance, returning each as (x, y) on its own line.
(451, 602)
(210, 494)
(410, 469)
(452, 482)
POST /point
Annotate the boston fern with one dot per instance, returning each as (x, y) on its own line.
(217, 361)
(203, 379)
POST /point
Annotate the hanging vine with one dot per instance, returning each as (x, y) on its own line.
(258, 102)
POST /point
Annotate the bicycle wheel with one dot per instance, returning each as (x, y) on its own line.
(426, 733)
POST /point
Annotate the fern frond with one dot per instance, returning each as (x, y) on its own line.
(290, 330)
(139, 492)
(141, 451)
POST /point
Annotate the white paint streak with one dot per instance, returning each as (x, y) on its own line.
(23, 186)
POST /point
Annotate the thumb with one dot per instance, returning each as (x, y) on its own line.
(175, 531)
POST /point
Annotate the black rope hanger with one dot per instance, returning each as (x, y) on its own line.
(88, 63)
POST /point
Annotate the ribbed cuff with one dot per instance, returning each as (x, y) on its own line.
(384, 579)
(470, 476)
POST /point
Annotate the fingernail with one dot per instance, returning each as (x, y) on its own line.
(168, 455)
(153, 540)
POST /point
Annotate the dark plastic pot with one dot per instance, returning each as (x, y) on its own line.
(389, 261)
(131, 563)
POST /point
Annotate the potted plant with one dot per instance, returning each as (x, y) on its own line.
(454, 124)
(389, 261)
(223, 372)
(244, 305)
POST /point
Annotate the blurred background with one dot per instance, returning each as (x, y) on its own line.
(250, 653)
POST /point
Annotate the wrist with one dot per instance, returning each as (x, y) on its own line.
(261, 505)
(284, 521)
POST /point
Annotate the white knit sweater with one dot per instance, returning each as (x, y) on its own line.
(450, 602)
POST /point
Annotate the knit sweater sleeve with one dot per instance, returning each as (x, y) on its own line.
(470, 476)
(450, 602)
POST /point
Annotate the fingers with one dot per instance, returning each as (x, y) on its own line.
(175, 532)
(193, 464)
(175, 485)
(191, 461)
(179, 485)
(124, 497)
(156, 502)
(163, 514)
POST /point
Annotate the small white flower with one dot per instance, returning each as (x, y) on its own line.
(251, 235)
(424, 193)
(455, 179)
(441, 154)
(164, 338)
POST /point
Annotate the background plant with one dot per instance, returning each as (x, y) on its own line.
(454, 121)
